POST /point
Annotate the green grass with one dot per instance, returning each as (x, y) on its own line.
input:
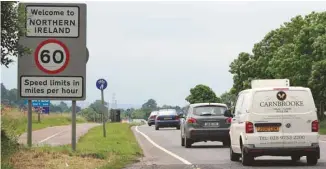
(14, 123)
(322, 126)
(120, 143)
(118, 149)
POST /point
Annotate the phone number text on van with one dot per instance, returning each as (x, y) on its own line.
(282, 137)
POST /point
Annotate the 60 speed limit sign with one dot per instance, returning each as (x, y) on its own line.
(52, 56)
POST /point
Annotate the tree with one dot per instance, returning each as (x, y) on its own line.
(317, 81)
(55, 108)
(228, 98)
(202, 94)
(12, 26)
(150, 104)
(63, 106)
(290, 51)
(97, 106)
(295, 51)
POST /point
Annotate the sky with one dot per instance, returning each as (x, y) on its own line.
(160, 50)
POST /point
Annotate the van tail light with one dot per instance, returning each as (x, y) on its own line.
(191, 120)
(249, 127)
(228, 120)
(315, 126)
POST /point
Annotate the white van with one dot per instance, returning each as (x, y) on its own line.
(274, 121)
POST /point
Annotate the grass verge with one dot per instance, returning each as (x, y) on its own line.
(14, 123)
(118, 149)
(322, 126)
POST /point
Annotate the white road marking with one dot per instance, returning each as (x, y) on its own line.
(51, 136)
(163, 149)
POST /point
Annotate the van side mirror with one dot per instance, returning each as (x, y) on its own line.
(228, 113)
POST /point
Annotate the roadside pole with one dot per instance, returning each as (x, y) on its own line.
(101, 84)
(29, 124)
(103, 119)
(73, 125)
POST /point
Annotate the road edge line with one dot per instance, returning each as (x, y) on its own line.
(51, 136)
(163, 149)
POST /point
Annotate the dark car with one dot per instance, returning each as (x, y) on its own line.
(151, 118)
(205, 122)
(167, 118)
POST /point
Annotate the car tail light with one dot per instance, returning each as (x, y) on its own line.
(315, 126)
(249, 127)
(228, 120)
(177, 117)
(191, 120)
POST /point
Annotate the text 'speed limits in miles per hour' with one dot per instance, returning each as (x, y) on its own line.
(51, 87)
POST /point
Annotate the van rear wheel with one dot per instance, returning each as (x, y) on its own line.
(234, 156)
(246, 158)
(312, 159)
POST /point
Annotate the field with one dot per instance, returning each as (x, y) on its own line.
(16, 121)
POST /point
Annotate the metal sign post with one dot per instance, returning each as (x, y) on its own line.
(101, 84)
(56, 67)
(29, 124)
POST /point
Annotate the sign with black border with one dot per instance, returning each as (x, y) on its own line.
(56, 21)
(52, 87)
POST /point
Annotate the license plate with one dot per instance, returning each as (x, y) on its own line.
(167, 118)
(268, 129)
(211, 124)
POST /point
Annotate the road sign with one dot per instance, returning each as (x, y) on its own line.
(41, 103)
(56, 67)
(53, 20)
(101, 84)
(51, 56)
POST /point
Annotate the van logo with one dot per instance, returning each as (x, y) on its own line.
(281, 95)
(288, 125)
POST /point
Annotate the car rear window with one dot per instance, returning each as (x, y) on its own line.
(167, 113)
(283, 101)
(209, 110)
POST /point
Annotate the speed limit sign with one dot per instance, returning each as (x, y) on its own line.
(51, 56)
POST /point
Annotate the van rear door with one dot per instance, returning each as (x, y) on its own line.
(299, 112)
(293, 109)
(266, 121)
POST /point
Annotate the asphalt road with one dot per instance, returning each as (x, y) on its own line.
(57, 135)
(162, 150)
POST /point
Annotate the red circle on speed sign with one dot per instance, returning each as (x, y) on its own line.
(51, 56)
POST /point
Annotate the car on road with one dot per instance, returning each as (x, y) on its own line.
(274, 120)
(151, 118)
(167, 118)
(205, 122)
